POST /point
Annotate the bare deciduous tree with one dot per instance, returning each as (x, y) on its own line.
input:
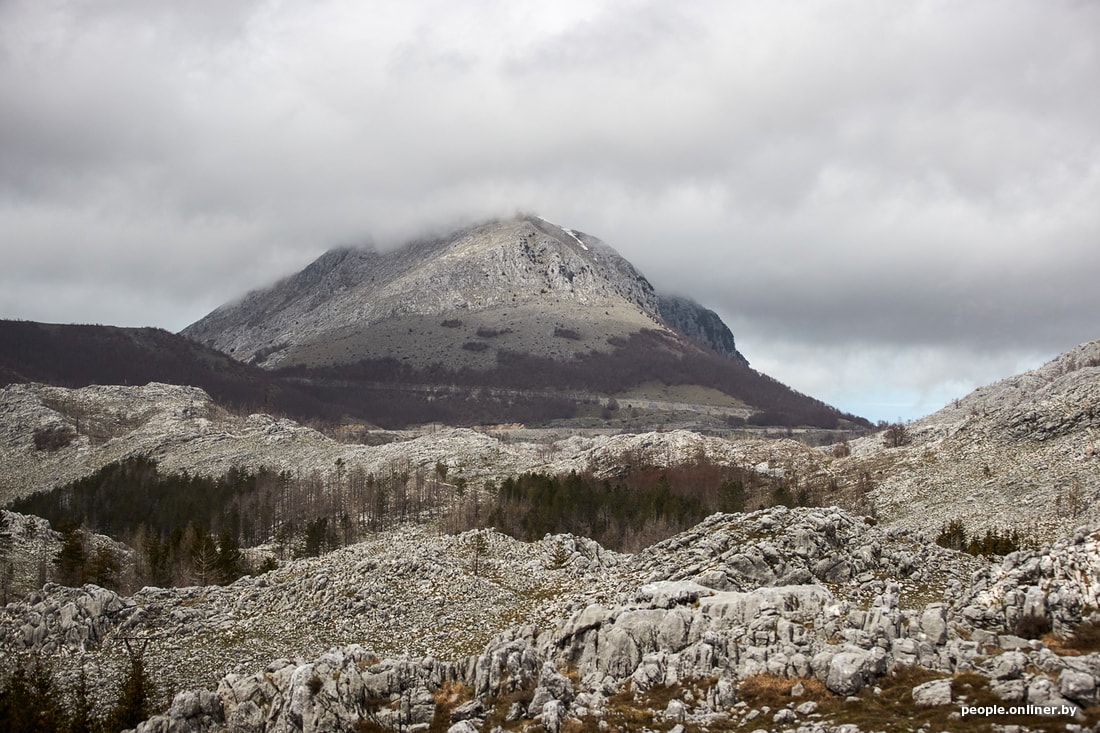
(895, 435)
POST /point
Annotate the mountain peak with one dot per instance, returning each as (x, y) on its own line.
(500, 275)
(539, 320)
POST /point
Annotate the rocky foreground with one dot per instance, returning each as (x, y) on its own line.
(779, 620)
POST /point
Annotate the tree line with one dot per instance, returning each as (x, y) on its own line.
(32, 700)
(648, 355)
(644, 505)
(79, 355)
(994, 543)
(186, 529)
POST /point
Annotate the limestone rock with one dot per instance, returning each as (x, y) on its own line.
(932, 693)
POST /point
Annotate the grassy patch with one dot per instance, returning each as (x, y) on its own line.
(448, 697)
(775, 692)
(893, 710)
(1085, 639)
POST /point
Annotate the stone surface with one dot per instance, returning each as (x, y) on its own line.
(933, 693)
(649, 619)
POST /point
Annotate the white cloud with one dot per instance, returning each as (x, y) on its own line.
(876, 178)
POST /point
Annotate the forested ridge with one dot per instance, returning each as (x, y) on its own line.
(645, 357)
(188, 529)
(78, 355)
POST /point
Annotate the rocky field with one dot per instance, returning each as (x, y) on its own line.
(842, 618)
(1023, 452)
(801, 619)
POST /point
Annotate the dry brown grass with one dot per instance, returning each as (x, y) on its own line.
(766, 689)
(447, 697)
(497, 708)
(1060, 645)
(892, 710)
(889, 709)
(452, 694)
(1085, 638)
(631, 710)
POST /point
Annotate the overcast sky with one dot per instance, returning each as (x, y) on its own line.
(890, 203)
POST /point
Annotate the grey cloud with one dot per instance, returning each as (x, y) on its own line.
(867, 177)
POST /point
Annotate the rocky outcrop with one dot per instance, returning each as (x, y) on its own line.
(57, 619)
(29, 545)
(1023, 453)
(736, 599)
(699, 324)
(1052, 589)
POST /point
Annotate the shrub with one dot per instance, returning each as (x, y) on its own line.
(896, 435)
(952, 536)
(53, 438)
(314, 685)
(1085, 638)
(1032, 626)
(994, 543)
(842, 450)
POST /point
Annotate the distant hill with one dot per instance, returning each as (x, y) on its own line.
(82, 355)
(514, 320)
(1021, 453)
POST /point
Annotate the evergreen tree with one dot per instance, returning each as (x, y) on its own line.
(316, 535)
(156, 559)
(479, 546)
(70, 559)
(81, 717)
(16, 713)
(7, 568)
(103, 569)
(133, 697)
(953, 536)
(231, 563)
(30, 703)
(731, 495)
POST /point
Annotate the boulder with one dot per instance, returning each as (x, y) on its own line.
(932, 694)
(933, 623)
(1079, 687)
(849, 671)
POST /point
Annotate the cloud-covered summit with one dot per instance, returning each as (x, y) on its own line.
(888, 203)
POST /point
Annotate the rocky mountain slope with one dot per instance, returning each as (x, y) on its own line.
(805, 619)
(523, 279)
(50, 436)
(779, 619)
(1023, 452)
(538, 319)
